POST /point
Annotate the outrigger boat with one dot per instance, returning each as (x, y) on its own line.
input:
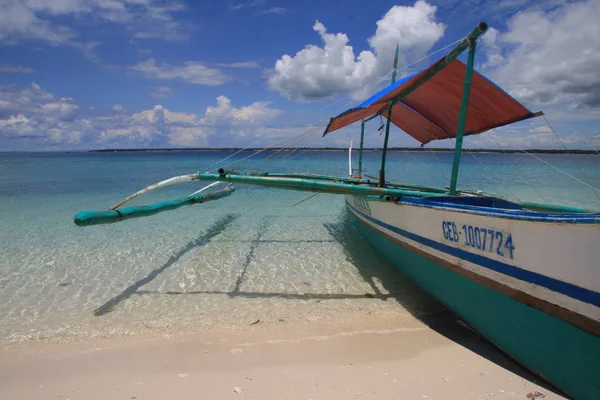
(525, 275)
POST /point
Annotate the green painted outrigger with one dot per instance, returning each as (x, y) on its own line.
(523, 320)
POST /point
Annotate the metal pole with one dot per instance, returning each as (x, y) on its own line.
(385, 145)
(350, 160)
(395, 65)
(360, 152)
(462, 118)
(387, 125)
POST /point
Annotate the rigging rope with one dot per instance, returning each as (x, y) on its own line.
(293, 143)
(516, 166)
(561, 171)
(497, 176)
(576, 163)
(430, 54)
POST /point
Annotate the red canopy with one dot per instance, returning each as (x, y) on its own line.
(432, 110)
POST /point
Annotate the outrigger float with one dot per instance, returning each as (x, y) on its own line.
(525, 275)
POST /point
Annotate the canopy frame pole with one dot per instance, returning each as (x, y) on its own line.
(362, 134)
(385, 146)
(462, 117)
(360, 151)
(387, 125)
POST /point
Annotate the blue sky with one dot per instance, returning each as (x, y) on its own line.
(87, 74)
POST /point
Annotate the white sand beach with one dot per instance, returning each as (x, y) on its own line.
(370, 357)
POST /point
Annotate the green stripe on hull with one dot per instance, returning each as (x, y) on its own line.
(565, 355)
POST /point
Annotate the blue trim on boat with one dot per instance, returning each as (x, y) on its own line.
(523, 215)
(568, 289)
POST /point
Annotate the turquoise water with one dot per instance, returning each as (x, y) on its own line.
(227, 263)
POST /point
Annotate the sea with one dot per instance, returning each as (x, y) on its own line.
(261, 254)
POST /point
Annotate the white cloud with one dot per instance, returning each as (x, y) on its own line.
(244, 64)
(160, 114)
(161, 92)
(190, 71)
(247, 4)
(489, 45)
(15, 120)
(32, 118)
(15, 69)
(18, 20)
(550, 57)
(256, 113)
(273, 10)
(119, 108)
(32, 19)
(34, 114)
(540, 129)
(183, 136)
(61, 108)
(318, 72)
(36, 101)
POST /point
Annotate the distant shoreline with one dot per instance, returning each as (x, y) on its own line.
(411, 149)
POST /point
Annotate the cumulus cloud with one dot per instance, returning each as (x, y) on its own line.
(186, 136)
(32, 118)
(256, 113)
(550, 57)
(158, 124)
(318, 72)
(32, 112)
(34, 100)
(190, 71)
(159, 114)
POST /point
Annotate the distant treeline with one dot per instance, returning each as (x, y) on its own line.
(415, 149)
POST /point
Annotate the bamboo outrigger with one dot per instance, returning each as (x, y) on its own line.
(525, 275)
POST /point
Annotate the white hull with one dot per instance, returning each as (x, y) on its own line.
(551, 265)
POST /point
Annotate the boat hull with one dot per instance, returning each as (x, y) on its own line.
(566, 355)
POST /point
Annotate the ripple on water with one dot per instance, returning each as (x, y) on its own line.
(229, 263)
(187, 271)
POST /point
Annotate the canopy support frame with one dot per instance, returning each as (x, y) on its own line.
(387, 125)
(462, 117)
(385, 146)
(360, 151)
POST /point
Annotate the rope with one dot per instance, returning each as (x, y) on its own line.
(430, 54)
(493, 173)
(516, 166)
(576, 163)
(294, 141)
(563, 172)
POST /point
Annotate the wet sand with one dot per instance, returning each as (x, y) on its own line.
(369, 356)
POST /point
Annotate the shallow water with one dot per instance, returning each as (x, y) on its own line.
(228, 263)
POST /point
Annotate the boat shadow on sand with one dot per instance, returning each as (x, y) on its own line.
(420, 304)
(386, 283)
